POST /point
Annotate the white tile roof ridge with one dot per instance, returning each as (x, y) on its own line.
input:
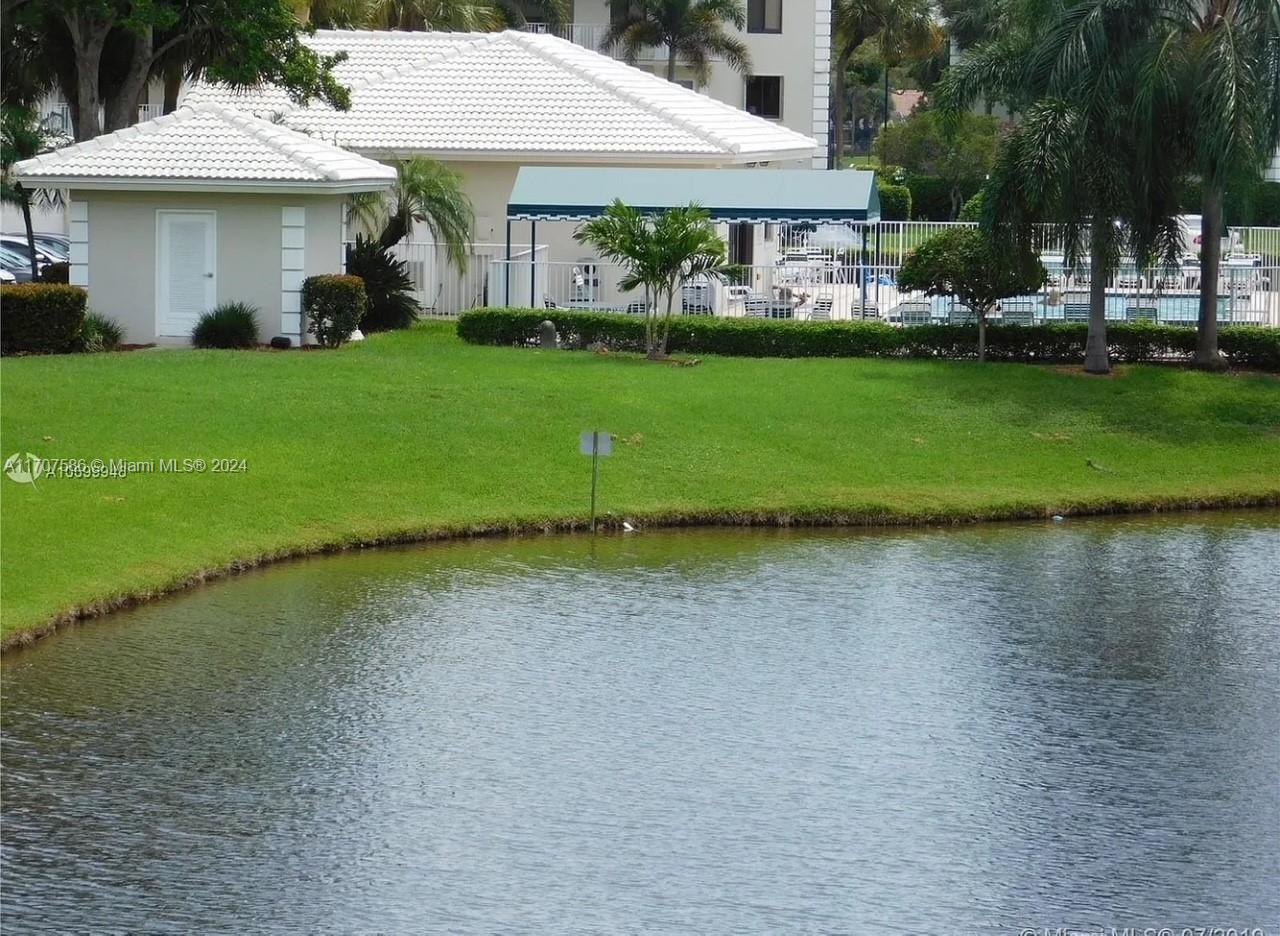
(544, 45)
(408, 67)
(51, 159)
(294, 144)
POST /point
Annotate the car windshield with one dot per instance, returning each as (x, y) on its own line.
(16, 246)
(12, 259)
(53, 246)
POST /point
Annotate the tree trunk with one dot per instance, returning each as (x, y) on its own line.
(1207, 355)
(172, 88)
(982, 335)
(886, 97)
(837, 116)
(1097, 359)
(31, 237)
(122, 107)
(671, 62)
(658, 350)
(88, 37)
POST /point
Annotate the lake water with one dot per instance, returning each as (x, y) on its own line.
(930, 731)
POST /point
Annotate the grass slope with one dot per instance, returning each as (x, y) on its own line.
(415, 432)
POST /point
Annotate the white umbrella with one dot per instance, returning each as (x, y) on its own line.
(832, 235)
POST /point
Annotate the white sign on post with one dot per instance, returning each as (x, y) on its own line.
(596, 443)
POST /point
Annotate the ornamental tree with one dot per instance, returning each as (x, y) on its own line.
(966, 263)
(660, 254)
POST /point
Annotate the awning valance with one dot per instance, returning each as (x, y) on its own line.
(545, 193)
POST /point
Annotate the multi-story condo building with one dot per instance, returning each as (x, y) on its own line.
(790, 46)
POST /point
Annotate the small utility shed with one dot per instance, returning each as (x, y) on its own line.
(176, 215)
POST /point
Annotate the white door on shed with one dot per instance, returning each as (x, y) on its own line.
(186, 264)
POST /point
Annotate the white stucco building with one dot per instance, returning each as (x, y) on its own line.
(790, 47)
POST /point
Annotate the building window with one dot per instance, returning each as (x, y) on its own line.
(764, 96)
(764, 16)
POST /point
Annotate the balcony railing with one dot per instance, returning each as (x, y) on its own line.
(56, 117)
(591, 36)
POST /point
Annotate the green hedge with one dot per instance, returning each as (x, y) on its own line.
(895, 202)
(1252, 347)
(40, 318)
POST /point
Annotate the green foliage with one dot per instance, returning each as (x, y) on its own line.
(59, 272)
(660, 254)
(387, 284)
(966, 263)
(99, 333)
(1247, 346)
(1246, 202)
(895, 202)
(334, 306)
(40, 318)
(931, 197)
(693, 29)
(426, 192)
(230, 325)
(973, 208)
(958, 152)
(239, 42)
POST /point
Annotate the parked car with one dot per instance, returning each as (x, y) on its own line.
(18, 244)
(57, 245)
(7, 277)
(15, 263)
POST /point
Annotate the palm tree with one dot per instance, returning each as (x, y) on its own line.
(1209, 93)
(660, 255)
(1073, 158)
(426, 192)
(899, 28)
(692, 31)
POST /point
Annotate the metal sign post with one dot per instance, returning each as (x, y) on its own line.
(598, 445)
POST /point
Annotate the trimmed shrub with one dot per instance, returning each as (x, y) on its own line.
(334, 305)
(99, 333)
(1266, 204)
(40, 318)
(387, 284)
(930, 197)
(1059, 342)
(59, 272)
(230, 325)
(1250, 346)
(895, 202)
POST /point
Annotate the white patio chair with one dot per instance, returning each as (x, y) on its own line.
(821, 311)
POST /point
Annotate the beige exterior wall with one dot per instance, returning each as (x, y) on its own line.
(800, 55)
(121, 266)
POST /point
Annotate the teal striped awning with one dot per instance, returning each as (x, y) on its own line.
(546, 193)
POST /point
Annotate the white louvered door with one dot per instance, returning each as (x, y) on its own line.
(186, 270)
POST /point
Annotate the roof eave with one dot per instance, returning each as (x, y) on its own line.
(227, 186)
(560, 157)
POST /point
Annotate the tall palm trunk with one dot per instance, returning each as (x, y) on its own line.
(1096, 358)
(31, 236)
(1207, 355)
(671, 61)
(837, 115)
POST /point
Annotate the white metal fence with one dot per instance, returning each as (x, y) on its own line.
(849, 282)
(818, 289)
(443, 290)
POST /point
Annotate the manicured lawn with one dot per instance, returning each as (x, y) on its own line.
(416, 431)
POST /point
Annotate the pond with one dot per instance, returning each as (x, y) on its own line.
(985, 728)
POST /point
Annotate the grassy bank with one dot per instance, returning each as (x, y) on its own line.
(415, 432)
